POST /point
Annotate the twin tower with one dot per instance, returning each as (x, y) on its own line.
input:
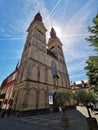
(42, 70)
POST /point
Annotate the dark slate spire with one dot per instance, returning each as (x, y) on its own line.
(17, 66)
(38, 17)
(52, 33)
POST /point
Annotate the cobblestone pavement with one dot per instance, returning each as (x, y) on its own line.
(77, 121)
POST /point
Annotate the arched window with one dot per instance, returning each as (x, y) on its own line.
(53, 68)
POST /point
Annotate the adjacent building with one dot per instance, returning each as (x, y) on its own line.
(6, 91)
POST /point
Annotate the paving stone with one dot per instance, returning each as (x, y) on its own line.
(76, 120)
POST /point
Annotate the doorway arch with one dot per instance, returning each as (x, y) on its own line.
(55, 105)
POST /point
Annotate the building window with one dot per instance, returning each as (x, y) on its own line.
(54, 73)
(53, 68)
(55, 81)
(51, 47)
(46, 74)
(38, 73)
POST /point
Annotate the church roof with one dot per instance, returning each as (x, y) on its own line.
(53, 33)
(38, 17)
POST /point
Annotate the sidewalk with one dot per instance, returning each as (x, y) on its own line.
(77, 121)
(83, 110)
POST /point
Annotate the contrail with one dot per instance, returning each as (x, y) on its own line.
(21, 38)
(12, 38)
(75, 35)
(52, 11)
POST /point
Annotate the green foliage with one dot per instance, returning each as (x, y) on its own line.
(93, 39)
(62, 98)
(92, 62)
(92, 72)
(92, 69)
(84, 97)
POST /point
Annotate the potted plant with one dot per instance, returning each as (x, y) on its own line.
(86, 98)
(62, 99)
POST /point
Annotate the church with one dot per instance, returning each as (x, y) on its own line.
(42, 70)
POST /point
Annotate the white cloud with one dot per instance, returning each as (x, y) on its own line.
(76, 25)
(77, 67)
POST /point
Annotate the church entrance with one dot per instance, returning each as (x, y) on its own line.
(55, 105)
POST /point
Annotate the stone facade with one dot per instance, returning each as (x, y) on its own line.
(42, 69)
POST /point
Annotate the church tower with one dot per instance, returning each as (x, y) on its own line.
(31, 73)
(41, 71)
(55, 46)
(34, 50)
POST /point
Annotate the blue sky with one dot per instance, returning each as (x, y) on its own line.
(70, 18)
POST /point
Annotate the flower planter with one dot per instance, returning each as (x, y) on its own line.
(64, 120)
(92, 122)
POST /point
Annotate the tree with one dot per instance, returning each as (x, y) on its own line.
(85, 98)
(62, 98)
(92, 62)
(92, 72)
(93, 39)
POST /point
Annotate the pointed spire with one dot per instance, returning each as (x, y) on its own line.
(17, 65)
(38, 17)
(52, 33)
